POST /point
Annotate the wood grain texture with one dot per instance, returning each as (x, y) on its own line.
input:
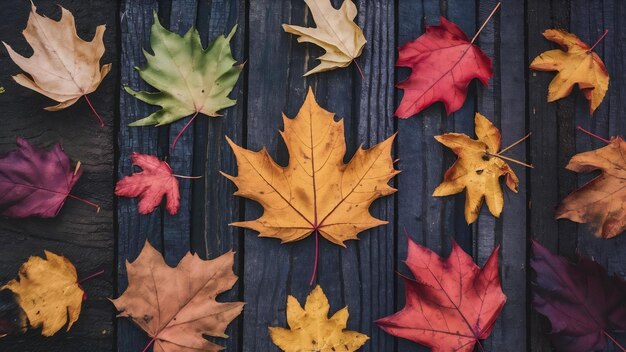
(78, 232)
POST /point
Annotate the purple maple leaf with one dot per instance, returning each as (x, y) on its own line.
(583, 303)
(35, 182)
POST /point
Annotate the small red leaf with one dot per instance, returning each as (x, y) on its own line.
(451, 304)
(443, 63)
(582, 302)
(150, 185)
(35, 182)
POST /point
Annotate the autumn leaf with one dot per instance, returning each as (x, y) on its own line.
(310, 329)
(576, 63)
(336, 33)
(316, 192)
(190, 79)
(443, 62)
(177, 306)
(63, 67)
(582, 302)
(477, 169)
(48, 292)
(451, 304)
(154, 182)
(36, 182)
(600, 201)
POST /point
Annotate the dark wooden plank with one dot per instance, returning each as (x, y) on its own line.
(589, 21)
(214, 206)
(361, 274)
(544, 120)
(376, 248)
(176, 228)
(510, 232)
(134, 229)
(84, 237)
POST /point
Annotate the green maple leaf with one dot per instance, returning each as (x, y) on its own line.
(190, 79)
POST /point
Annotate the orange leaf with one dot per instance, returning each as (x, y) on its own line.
(576, 64)
(600, 201)
(316, 191)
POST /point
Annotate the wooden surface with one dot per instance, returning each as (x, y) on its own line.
(363, 275)
(78, 232)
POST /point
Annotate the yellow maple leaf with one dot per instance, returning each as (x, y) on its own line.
(310, 329)
(316, 191)
(63, 67)
(336, 33)
(577, 64)
(48, 292)
(477, 169)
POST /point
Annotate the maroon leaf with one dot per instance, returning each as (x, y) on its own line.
(35, 182)
(582, 302)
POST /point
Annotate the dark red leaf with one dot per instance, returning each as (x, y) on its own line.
(582, 302)
(451, 304)
(35, 182)
(154, 182)
(443, 63)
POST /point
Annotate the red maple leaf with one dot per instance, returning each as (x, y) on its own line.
(154, 182)
(582, 302)
(443, 62)
(451, 304)
(35, 182)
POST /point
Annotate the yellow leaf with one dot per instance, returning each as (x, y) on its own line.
(336, 33)
(316, 191)
(576, 64)
(48, 292)
(63, 67)
(477, 170)
(311, 330)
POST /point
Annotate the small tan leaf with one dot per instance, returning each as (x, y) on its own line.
(336, 33)
(63, 67)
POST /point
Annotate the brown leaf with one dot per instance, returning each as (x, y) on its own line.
(177, 306)
(63, 67)
(600, 201)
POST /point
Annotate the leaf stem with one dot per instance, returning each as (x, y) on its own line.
(480, 345)
(149, 344)
(515, 143)
(614, 341)
(359, 68)
(317, 254)
(485, 23)
(187, 177)
(85, 201)
(183, 129)
(94, 111)
(606, 31)
(91, 276)
(510, 159)
(593, 134)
